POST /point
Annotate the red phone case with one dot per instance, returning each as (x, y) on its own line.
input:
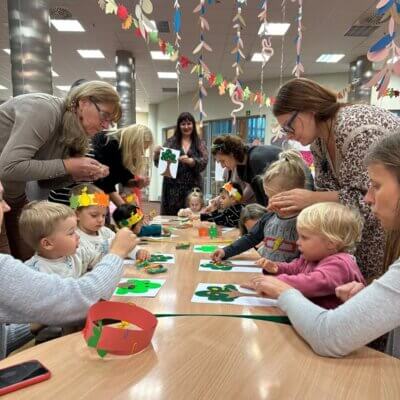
(28, 382)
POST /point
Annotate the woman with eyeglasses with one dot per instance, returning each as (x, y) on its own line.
(340, 135)
(44, 138)
(249, 162)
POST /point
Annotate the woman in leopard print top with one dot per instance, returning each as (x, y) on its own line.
(339, 135)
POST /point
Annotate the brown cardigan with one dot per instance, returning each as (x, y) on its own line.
(30, 142)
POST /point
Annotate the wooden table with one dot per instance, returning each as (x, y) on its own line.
(182, 279)
(211, 358)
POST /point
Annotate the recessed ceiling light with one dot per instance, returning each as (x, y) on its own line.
(91, 53)
(8, 51)
(167, 75)
(273, 28)
(159, 55)
(107, 74)
(64, 88)
(257, 57)
(2, 87)
(329, 58)
(54, 73)
(67, 25)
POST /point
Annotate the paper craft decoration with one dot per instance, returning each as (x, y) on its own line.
(229, 294)
(206, 248)
(118, 339)
(182, 246)
(86, 200)
(138, 287)
(168, 164)
(229, 266)
(151, 268)
(162, 258)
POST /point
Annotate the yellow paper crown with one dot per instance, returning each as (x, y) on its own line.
(85, 200)
(133, 219)
(233, 192)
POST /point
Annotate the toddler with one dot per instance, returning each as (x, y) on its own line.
(328, 233)
(230, 202)
(91, 204)
(195, 204)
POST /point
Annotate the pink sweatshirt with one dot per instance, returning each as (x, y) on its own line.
(318, 280)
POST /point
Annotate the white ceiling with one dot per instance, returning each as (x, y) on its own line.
(325, 23)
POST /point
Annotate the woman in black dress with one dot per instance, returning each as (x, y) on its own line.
(192, 161)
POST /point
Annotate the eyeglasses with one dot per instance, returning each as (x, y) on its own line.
(104, 115)
(288, 128)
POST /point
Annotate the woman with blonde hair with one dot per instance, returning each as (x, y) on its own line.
(44, 138)
(124, 152)
(340, 135)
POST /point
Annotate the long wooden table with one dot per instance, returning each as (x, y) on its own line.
(182, 279)
(209, 358)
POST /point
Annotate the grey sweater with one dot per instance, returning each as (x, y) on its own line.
(372, 312)
(30, 142)
(30, 296)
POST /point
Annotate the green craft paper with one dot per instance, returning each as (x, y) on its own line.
(139, 287)
(217, 267)
(207, 248)
(216, 293)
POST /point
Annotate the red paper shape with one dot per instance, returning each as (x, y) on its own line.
(184, 61)
(138, 32)
(119, 341)
(122, 12)
(163, 46)
(211, 79)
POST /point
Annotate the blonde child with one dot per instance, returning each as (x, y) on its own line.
(277, 232)
(328, 233)
(230, 203)
(50, 229)
(195, 204)
(91, 204)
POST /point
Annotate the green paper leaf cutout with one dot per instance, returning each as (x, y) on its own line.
(94, 340)
(159, 258)
(153, 36)
(207, 248)
(216, 293)
(217, 267)
(138, 287)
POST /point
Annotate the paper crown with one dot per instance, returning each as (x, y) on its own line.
(233, 192)
(118, 339)
(85, 200)
(133, 219)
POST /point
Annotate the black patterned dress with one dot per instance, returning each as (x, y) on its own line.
(175, 191)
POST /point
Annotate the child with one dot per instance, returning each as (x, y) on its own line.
(249, 216)
(230, 202)
(277, 232)
(50, 229)
(90, 204)
(195, 204)
(328, 232)
(131, 216)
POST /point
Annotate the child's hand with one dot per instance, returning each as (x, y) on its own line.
(267, 265)
(218, 255)
(185, 212)
(124, 242)
(348, 290)
(268, 286)
(142, 255)
(166, 231)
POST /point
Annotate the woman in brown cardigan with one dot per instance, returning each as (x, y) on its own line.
(339, 135)
(44, 138)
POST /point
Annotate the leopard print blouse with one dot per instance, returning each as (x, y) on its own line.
(356, 128)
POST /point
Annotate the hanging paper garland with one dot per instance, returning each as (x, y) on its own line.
(298, 68)
(201, 68)
(386, 48)
(177, 29)
(236, 91)
(214, 79)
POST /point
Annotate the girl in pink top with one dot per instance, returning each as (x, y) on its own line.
(328, 233)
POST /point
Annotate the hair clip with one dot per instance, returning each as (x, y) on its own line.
(85, 200)
(218, 146)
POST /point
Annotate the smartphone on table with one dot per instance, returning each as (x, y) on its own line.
(22, 375)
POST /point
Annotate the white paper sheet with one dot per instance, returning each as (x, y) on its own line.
(236, 267)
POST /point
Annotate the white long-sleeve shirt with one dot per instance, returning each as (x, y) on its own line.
(372, 312)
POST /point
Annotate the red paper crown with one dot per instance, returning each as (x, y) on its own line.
(118, 339)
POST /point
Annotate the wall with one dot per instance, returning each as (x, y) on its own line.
(164, 114)
(142, 118)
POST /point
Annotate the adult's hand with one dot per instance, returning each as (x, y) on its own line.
(124, 242)
(85, 169)
(268, 286)
(348, 290)
(218, 255)
(291, 201)
(187, 160)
